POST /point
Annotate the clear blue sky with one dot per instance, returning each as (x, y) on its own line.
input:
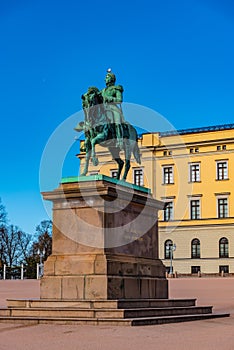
(175, 57)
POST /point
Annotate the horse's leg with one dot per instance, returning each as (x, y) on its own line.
(127, 151)
(87, 157)
(96, 140)
(120, 164)
(115, 154)
(86, 167)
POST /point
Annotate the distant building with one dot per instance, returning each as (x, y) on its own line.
(193, 171)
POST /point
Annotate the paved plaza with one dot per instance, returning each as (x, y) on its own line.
(202, 335)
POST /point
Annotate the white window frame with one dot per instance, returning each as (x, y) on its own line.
(170, 177)
(225, 177)
(141, 176)
(225, 249)
(93, 173)
(190, 207)
(195, 253)
(191, 173)
(172, 212)
(218, 197)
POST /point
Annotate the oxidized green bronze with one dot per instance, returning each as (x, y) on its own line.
(104, 124)
(112, 98)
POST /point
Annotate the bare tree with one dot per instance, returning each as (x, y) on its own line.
(3, 223)
(9, 240)
(14, 245)
(25, 241)
(3, 214)
(43, 227)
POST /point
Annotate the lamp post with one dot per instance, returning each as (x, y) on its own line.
(4, 271)
(41, 255)
(22, 272)
(171, 249)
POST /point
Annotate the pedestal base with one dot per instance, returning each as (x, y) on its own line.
(120, 222)
(96, 276)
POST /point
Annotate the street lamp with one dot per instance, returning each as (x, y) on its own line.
(171, 248)
(41, 255)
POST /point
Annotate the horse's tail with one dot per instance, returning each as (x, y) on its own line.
(136, 153)
(132, 136)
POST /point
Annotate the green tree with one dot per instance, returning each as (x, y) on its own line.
(31, 267)
(41, 243)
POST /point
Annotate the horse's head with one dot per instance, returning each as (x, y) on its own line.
(92, 103)
(91, 98)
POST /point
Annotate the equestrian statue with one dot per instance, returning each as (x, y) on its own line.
(104, 124)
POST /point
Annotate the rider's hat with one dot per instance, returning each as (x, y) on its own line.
(110, 74)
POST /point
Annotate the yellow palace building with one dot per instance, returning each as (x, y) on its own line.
(192, 171)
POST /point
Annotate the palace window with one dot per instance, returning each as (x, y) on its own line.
(138, 177)
(167, 153)
(222, 207)
(195, 269)
(195, 249)
(223, 248)
(194, 172)
(114, 173)
(223, 147)
(223, 268)
(92, 173)
(168, 176)
(167, 250)
(222, 170)
(195, 209)
(168, 211)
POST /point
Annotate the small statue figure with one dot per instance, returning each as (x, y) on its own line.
(112, 98)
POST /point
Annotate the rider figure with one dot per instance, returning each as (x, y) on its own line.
(112, 98)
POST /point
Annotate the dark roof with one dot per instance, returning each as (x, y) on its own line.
(197, 130)
(141, 131)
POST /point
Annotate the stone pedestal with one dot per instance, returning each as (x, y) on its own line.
(105, 242)
(104, 268)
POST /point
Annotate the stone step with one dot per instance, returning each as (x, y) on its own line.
(104, 313)
(155, 303)
(175, 319)
(101, 304)
(110, 322)
(169, 311)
